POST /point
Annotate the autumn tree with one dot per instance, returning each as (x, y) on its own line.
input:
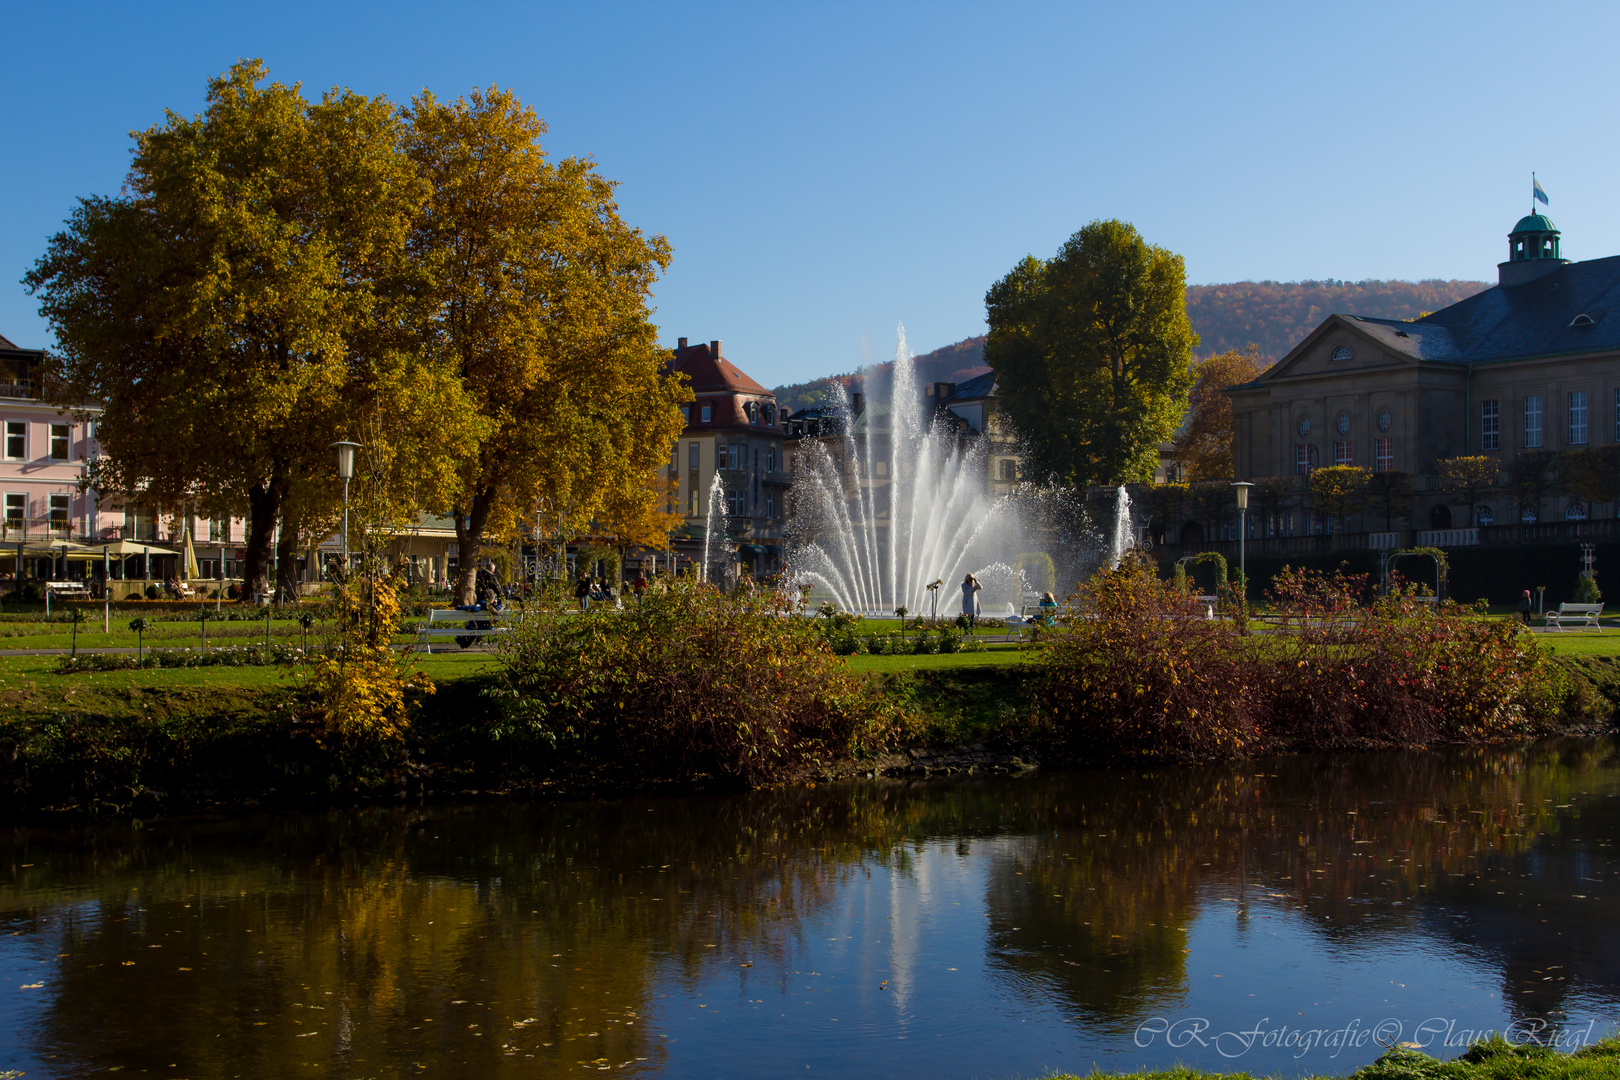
(536, 291)
(1092, 353)
(1339, 491)
(225, 309)
(1593, 476)
(1204, 443)
(1390, 494)
(1469, 480)
(1532, 478)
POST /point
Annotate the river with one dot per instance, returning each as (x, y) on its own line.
(1276, 916)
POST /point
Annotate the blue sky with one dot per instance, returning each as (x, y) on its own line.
(825, 171)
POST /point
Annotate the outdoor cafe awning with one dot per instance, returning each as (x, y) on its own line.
(39, 549)
(120, 549)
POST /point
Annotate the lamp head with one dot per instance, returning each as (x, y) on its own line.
(1242, 487)
(345, 458)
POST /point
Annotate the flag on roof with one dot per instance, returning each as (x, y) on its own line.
(1539, 195)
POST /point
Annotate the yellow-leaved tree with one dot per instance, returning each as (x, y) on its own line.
(238, 308)
(536, 291)
(1204, 443)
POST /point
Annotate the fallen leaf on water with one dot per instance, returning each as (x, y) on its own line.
(30, 986)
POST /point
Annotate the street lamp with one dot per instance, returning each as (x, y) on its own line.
(345, 465)
(1242, 487)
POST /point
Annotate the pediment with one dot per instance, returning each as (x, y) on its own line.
(1343, 344)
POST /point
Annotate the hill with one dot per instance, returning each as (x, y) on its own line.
(1275, 315)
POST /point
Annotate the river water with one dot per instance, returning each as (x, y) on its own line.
(1278, 916)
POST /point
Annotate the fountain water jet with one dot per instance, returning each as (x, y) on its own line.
(1123, 537)
(898, 498)
(717, 521)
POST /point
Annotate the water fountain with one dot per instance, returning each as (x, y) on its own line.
(716, 522)
(898, 499)
(1124, 536)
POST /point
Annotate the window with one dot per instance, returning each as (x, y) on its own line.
(1577, 418)
(691, 455)
(705, 413)
(1617, 414)
(731, 457)
(1484, 516)
(1304, 458)
(1383, 455)
(219, 530)
(1342, 353)
(1575, 511)
(1344, 452)
(1529, 516)
(686, 415)
(60, 505)
(1532, 422)
(59, 442)
(770, 504)
(1490, 425)
(691, 503)
(881, 467)
(770, 459)
(675, 459)
(1009, 469)
(16, 440)
(16, 514)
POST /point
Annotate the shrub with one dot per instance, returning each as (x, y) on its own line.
(1142, 673)
(361, 688)
(231, 656)
(1586, 591)
(925, 644)
(948, 641)
(688, 682)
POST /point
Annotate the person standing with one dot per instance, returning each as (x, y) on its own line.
(970, 600)
(582, 593)
(1524, 608)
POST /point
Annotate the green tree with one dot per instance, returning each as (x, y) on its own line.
(1092, 352)
(536, 291)
(1272, 498)
(1339, 491)
(226, 309)
(1469, 480)
(1390, 493)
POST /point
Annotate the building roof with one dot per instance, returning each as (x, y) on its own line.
(6, 343)
(980, 386)
(1535, 223)
(1538, 318)
(1420, 341)
(712, 373)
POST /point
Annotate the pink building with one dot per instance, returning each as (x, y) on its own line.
(43, 457)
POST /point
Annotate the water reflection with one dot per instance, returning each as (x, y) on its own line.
(982, 927)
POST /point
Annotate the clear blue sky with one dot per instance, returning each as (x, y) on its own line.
(824, 171)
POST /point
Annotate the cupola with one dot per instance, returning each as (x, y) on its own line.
(1532, 251)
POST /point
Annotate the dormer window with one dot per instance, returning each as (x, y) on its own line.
(705, 414)
(1583, 319)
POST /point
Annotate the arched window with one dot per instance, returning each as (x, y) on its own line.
(1484, 516)
(1529, 516)
(1575, 511)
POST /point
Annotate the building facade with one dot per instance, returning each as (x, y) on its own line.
(733, 448)
(1531, 364)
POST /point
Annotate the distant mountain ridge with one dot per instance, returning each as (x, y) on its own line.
(1275, 315)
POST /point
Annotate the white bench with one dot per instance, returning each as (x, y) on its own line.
(451, 623)
(71, 590)
(1584, 616)
(1015, 627)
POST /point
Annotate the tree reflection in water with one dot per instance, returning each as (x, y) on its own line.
(490, 939)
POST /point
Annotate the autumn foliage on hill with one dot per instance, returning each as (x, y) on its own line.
(1276, 315)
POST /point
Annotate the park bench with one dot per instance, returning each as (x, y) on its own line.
(1584, 616)
(68, 590)
(448, 624)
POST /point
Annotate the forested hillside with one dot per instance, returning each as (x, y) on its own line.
(1275, 315)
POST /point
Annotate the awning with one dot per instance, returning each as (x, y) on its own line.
(59, 550)
(121, 548)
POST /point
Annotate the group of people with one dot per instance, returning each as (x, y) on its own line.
(970, 603)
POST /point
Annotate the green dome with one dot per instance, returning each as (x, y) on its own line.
(1535, 223)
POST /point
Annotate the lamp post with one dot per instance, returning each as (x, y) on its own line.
(1242, 488)
(345, 467)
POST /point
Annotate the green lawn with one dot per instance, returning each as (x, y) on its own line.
(996, 656)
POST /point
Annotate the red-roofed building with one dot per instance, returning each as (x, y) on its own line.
(733, 431)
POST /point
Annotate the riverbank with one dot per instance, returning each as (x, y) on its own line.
(150, 741)
(1495, 1059)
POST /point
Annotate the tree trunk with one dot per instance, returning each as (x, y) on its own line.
(287, 561)
(264, 507)
(469, 538)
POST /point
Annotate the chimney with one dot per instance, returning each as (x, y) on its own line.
(857, 404)
(682, 344)
(714, 348)
(943, 390)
